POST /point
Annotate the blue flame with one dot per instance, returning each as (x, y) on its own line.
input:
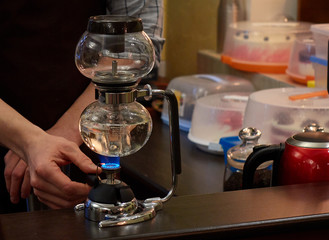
(110, 166)
(109, 162)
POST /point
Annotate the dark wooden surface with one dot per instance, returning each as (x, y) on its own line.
(202, 172)
(290, 212)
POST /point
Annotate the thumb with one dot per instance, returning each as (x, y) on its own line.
(86, 165)
(83, 162)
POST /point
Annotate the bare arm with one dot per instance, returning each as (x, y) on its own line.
(45, 154)
(16, 132)
(68, 125)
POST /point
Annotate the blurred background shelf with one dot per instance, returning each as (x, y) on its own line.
(209, 61)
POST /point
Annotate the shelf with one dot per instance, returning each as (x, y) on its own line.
(209, 62)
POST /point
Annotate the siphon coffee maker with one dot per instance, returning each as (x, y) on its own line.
(115, 53)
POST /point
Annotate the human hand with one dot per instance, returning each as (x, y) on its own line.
(45, 155)
(17, 177)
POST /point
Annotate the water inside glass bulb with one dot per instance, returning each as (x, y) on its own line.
(115, 129)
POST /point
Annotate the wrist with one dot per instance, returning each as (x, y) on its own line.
(29, 140)
(71, 133)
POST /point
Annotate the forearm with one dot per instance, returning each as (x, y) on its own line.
(17, 133)
(68, 125)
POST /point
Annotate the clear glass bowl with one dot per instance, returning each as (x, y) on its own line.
(114, 50)
(115, 129)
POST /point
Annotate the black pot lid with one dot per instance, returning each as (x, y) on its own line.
(114, 25)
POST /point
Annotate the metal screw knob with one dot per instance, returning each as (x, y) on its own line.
(313, 127)
(249, 133)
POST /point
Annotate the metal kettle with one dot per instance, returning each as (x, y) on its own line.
(303, 158)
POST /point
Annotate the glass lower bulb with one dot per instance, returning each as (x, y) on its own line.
(115, 129)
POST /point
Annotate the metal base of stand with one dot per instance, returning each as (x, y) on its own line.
(144, 211)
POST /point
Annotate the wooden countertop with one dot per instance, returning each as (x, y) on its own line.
(291, 211)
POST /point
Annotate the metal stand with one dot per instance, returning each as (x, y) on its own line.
(134, 211)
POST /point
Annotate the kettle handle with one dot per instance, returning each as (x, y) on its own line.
(261, 154)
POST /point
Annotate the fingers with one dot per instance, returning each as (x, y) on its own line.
(16, 181)
(11, 160)
(16, 177)
(57, 190)
(55, 202)
(49, 183)
(81, 160)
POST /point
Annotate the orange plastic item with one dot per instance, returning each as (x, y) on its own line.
(323, 93)
(299, 78)
(252, 67)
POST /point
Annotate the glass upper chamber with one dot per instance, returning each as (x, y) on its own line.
(114, 50)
